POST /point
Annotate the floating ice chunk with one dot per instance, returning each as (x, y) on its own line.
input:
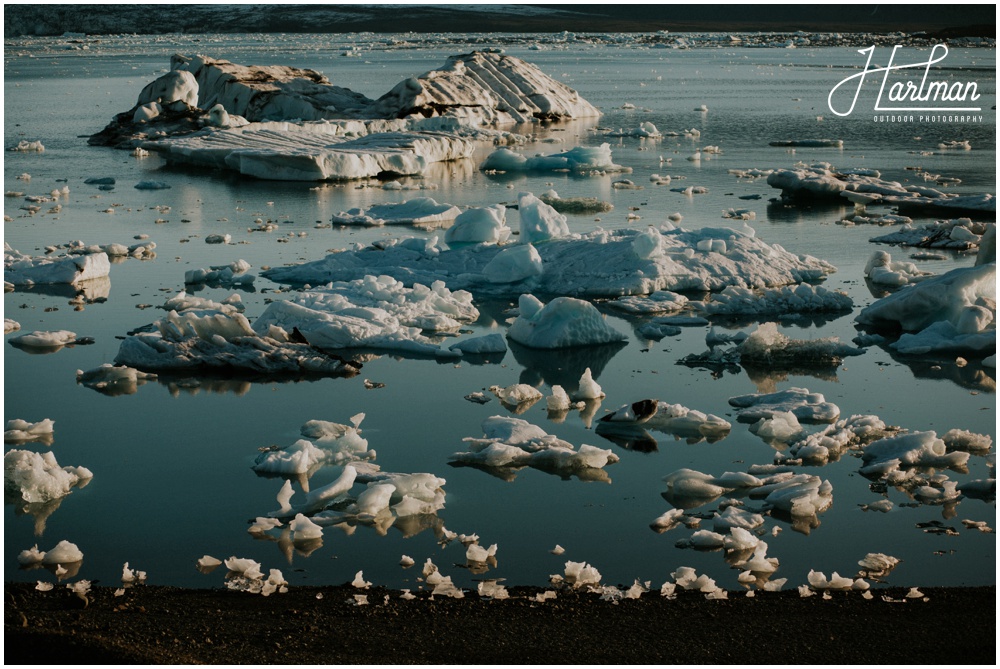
(375, 499)
(969, 442)
(514, 264)
(658, 302)
(703, 540)
(516, 394)
(645, 129)
(881, 269)
(559, 400)
(539, 221)
(915, 449)
(476, 553)
(558, 550)
(63, 553)
(820, 448)
(563, 322)
(830, 143)
(740, 539)
(304, 529)
(803, 298)
(687, 488)
(486, 344)
(10, 325)
(766, 347)
(490, 589)
(575, 205)
(781, 427)
(807, 407)
(588, 389)
(111, 380)
(37, 478)
(208, 562)
(18, 430)
(244, 567)
(486, 225)
(733, 518)
(800, 496)
(39, 339)
(578, 159)
(233, 274)
(421, 211)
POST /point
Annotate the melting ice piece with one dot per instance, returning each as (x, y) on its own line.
(803, 298)
(113, 380)
(37, 478)
(18, 430)
(807, 407)
(25, 270)
(421, 211)
(42, 340)
(766, 347)
(580, 159)
(881, 269)
(916, 449)
(563, 322)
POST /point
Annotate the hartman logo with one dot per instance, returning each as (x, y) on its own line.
(904, 90)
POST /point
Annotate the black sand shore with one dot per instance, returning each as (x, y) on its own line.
(153, 624)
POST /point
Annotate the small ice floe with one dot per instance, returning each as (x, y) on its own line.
(828, 444)
(881, 219)
(877, 565)
(206, 564)
(132, 576)
(262, 525)
(113, 380)
(64, 553)
(882, 270)
(819, 581)
(28, 146)
(915, 449)
(475, 553)
(958, 234)
(645, 130)
(406, 562)
(421, 211)
(739, 214)
(819, 143)
(664, 417)
(491, 589)
(333, 444)
(980, 525)
(510, 444)
(218, 239)
(485, 345)
(661, 301)
(807, 407)
(42, 586)
(768, 348)
(573, 205)
(578, 575)
(882, 505)
(558, 550)
(961, 145)
(801, 299)
(25, 270)
(234, 274)
(519, 396)
(579, 160)
(10, 325)
(563, 322)
(33, 478)
(18, 431)
(477, 397)
(968, 442)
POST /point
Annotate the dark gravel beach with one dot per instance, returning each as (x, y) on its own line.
(151, 624)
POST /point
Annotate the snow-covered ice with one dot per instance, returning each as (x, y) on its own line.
(563, 322)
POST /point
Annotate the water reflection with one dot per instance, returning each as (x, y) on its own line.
(562, 367)
(92, 290)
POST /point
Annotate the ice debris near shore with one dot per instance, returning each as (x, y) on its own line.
(34, 478)
(25, 270)
(954, 312)
(336, 133)
(510, 444)
(598, 264)
(62, 554)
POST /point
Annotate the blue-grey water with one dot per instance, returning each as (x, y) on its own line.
(172, 478)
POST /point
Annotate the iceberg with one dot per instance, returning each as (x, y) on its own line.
(37, 478)
(562, 323)
(580, 160)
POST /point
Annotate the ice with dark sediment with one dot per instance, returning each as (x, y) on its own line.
(25, 270)
(954, 312)
(958, 234)
(598, 264)
(510, 444)
(822, 181)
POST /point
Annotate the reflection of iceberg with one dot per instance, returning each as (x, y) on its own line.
(97, 289)
(562, 367)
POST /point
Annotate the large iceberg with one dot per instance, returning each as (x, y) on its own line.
(563, 322)
(599, 264)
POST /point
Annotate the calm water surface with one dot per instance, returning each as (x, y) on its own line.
(172, 478)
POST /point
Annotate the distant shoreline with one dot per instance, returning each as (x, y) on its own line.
(322, 625)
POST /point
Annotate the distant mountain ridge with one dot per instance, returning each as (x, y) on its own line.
(45, 19)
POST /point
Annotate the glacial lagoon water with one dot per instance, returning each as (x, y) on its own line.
(172, 477)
